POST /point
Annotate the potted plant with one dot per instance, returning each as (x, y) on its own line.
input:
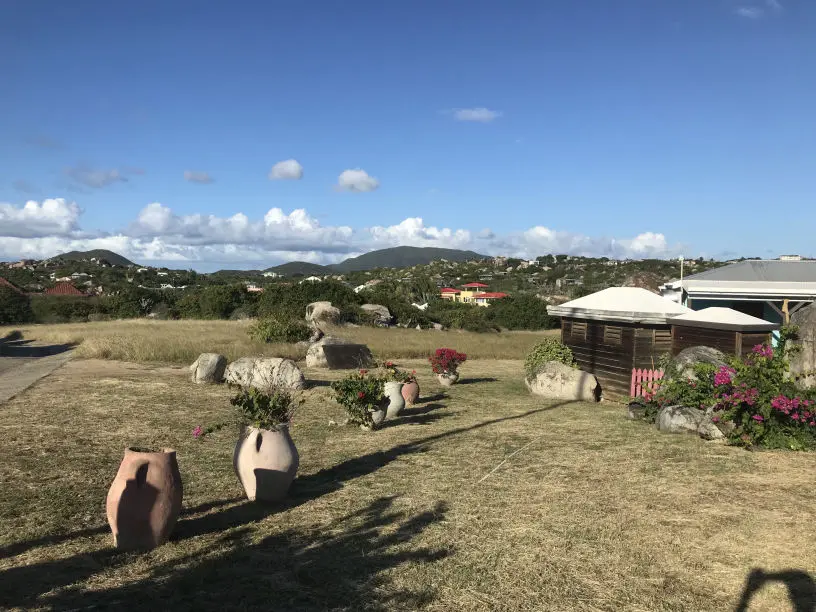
(144, 499)
(445, 364)
(265, 457)
(394, 379)
(362, 396)
(410, 389)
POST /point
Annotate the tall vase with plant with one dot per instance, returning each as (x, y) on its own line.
(394, 381)
(445, 364)
(265, 458)
(362, 395)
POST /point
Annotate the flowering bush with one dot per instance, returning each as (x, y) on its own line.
(446, 361)
(389, 372)
(360, 394)
(271, 408)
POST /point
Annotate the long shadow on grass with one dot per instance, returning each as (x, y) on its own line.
(345, 565)
(473, 381)
(21, 349)
(801, 588)
(312, 486)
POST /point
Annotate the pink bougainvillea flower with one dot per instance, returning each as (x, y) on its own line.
(360, 395)
(363, 372)
(758, 417)
(715, 419)
(197, 431)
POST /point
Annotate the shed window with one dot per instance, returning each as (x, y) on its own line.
(612, 334)
(579, 330)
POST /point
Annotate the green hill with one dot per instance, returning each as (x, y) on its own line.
(112, 258)
(301, 268)
(402, 257)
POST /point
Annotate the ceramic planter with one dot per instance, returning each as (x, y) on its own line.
(144, 499)
(410, 393)
(266, 462)
(377, 416)
(393, 393)
(448, 378)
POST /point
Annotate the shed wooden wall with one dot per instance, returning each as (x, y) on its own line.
(729, 342)
(611, 350)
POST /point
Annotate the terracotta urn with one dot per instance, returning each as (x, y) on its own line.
(144, 499)
(447, 379)
(266, 462)
(410, 392)
(393, 393)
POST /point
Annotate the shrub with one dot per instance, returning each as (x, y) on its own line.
(360, 394)
(277, 329)
(521, 312)
(270, 409)
(389, 372)
(446, 361)
(550, 349)
(15, 307)
(461, 316)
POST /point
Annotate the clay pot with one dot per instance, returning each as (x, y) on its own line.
(410, 393)
(448, 379)
(377, 416)
(144, 499)
(393, 393)
(266, 462)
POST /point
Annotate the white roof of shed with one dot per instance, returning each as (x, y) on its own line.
(626, 304)
(723, 318)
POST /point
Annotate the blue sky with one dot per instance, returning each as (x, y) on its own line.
(634, 127)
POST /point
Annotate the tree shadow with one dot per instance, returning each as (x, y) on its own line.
(801, 588)
(345, 565)
(414, 411)
(416, 419)
(22, 348)
(12, 335)
(433, 398)
(315, 384)
(473, 381)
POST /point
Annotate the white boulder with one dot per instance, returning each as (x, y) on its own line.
(558, 381)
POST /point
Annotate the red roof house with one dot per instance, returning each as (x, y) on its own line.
(490, 295)
(449, 290)
(475, 286)
(64, 289)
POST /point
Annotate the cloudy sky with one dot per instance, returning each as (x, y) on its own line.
(322, 130)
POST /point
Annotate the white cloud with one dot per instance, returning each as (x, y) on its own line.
(95, 178)
(750, 12)
(40, 230)
(775, 5)
(479, 114)
(357, 180)
(54, 217)
(194, 176)
(288, 169)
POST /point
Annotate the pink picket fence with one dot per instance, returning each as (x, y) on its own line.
(642, 380)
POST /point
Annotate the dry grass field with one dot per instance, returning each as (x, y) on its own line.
(180, 342)
(482, 497)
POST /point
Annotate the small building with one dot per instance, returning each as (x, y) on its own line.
(615, 330)
(471, 293)
(64, 289)
(484, 299)
(449, 293)
(725, 329)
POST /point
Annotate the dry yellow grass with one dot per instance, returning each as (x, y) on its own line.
(180, 342)
(480, 498)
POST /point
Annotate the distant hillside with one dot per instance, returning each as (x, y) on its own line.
(402, 257)
(109, 256)
(301, 268)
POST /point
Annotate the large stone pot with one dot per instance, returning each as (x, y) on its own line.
(266, 462)
(377, 416)
(144, 499)
(410, 393)
(448, 379)
(393, 393)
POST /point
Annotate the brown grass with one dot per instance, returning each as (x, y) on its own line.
(180, 342)
(594, 512)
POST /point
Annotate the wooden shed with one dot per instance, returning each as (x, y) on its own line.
(615, 330)
(732, 332)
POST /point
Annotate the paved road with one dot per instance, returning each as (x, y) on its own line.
(22, 363)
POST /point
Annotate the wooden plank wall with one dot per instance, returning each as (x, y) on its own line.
(606, 355)
(651, 343)
(750, 339)
(720, 339)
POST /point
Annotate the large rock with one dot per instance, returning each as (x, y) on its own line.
(679, 419)
(322, 312)
(265, 373)
(708, 429)
(382, 315)
(337, 354)
(803, 361)
(559, 381)
(682, 366)
(208, 368)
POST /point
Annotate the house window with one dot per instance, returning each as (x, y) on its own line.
(612, 334)
(578, 330)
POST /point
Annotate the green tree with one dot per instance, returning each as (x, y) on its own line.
(523, 311)
(15, 307)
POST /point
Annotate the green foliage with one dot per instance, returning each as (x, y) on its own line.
(388, 372)
(15, 307)
(360, 394)
(522, 311)
(549, 349)
(278, 329)
(291, 300)
(461, 316)
(219, 301)
(62, 309)
(265, 410)
(693, 392)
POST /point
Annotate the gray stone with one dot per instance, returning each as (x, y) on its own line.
(265, 373)
(317, 312)
(679, 419)
(682, 366)
(208, 368)
(803, 357)
(382, 315)
(559, 381)
(438, 326)
(337, 354)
